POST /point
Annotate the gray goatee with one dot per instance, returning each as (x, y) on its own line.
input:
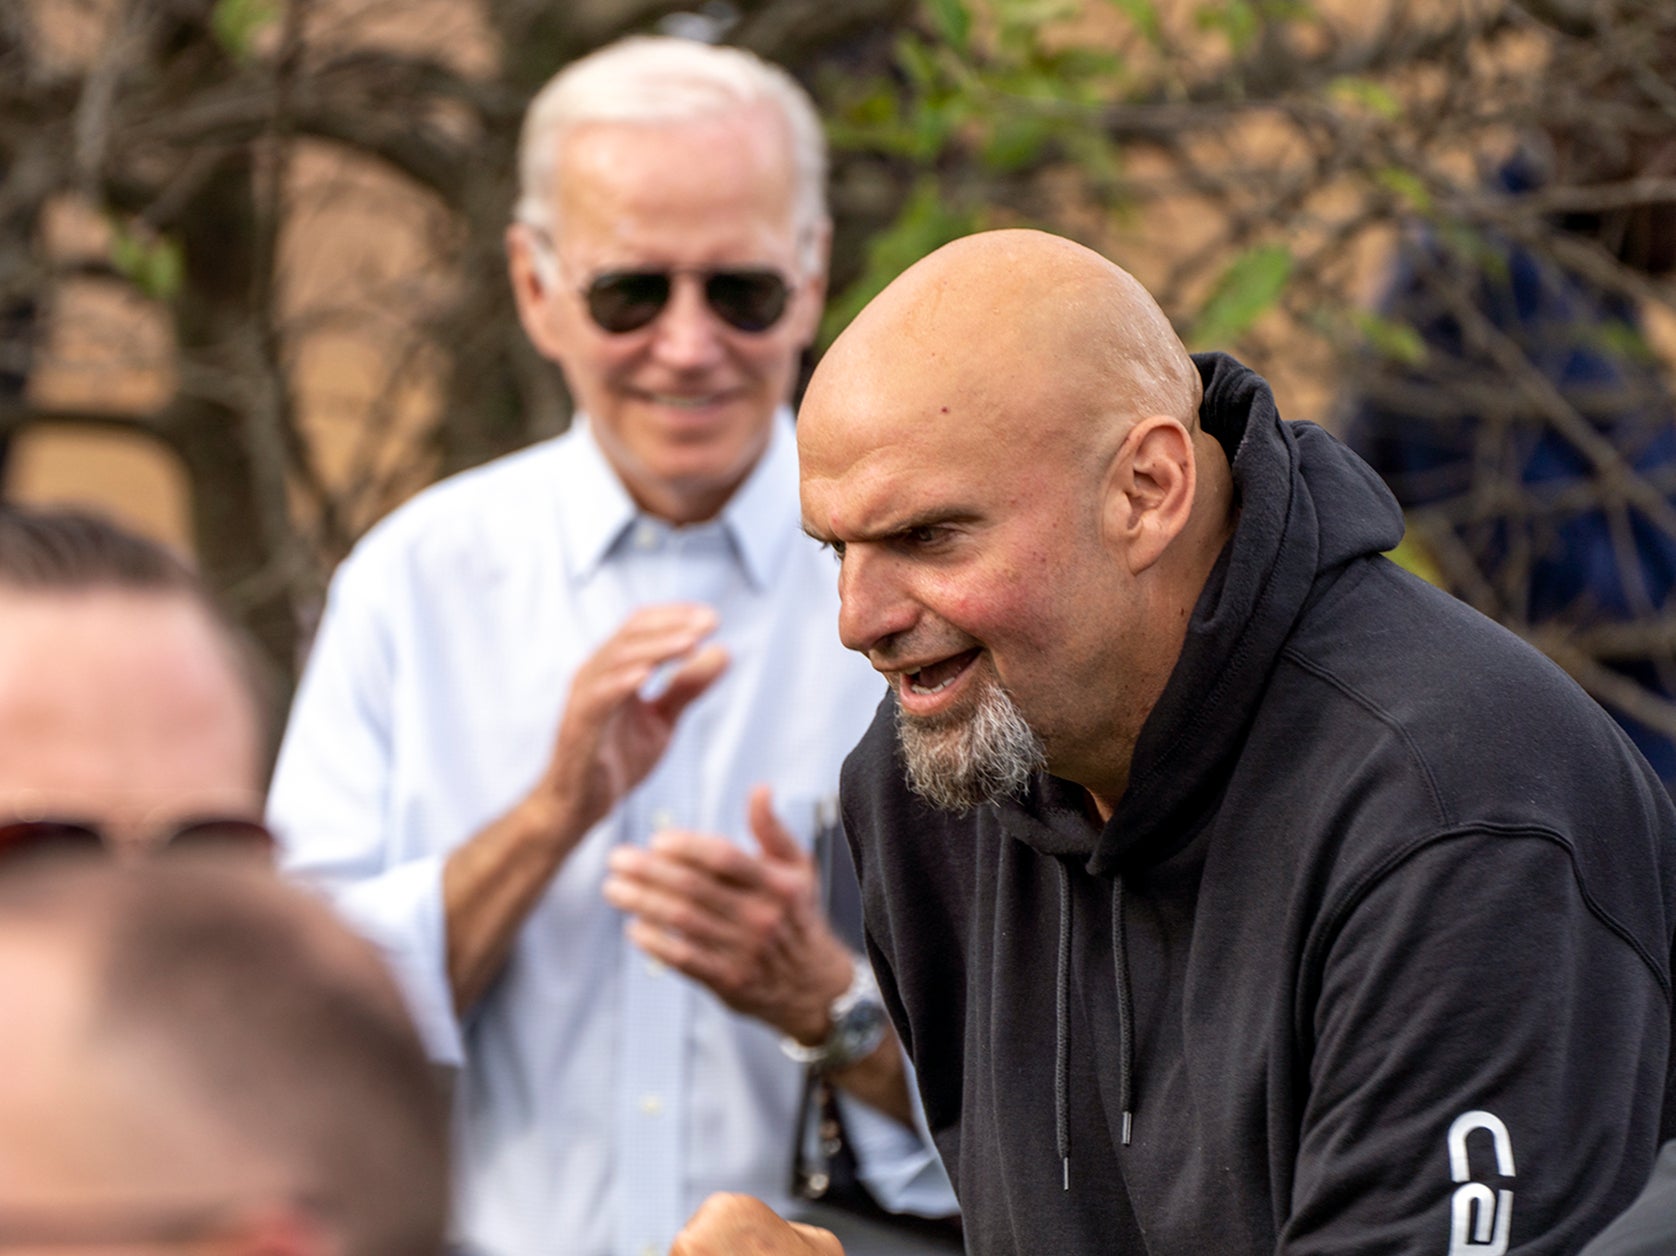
(961, 762)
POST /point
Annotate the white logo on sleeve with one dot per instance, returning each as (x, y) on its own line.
(1479, 1217)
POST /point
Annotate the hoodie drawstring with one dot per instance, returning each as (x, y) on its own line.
(1125, 1012)
(1062, 1023)
(1062, 1044)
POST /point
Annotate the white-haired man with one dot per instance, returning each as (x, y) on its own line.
(553, 690)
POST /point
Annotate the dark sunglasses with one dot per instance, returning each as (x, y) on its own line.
(126, 1225)
(210, 835)
(621, 301)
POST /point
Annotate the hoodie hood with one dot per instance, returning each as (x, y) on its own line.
(1306, 507)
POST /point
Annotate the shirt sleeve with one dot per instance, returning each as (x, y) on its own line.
(1489, 1050)
(1649, 1227)
(329, 803)
(900, 1167)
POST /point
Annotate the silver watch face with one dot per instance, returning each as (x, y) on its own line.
(858, 1029)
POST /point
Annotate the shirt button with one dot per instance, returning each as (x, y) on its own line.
(662, 819)
(655, 967)
(651, 1249)
(651, 1105)
(646, 536)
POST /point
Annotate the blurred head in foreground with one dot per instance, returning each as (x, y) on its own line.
(198, 1056)
(129, 710)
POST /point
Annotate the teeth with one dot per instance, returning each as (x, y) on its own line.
(919, 688)
(683, 403)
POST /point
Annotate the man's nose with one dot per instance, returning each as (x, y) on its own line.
(874, 607)
(687, 335)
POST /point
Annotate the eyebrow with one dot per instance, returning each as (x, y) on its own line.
(941, 516)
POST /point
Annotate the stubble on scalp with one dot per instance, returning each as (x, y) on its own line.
(960, 763)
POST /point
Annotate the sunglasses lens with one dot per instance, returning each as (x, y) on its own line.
(626, 301)
(223, 835)
(749, 300)
(28, 839)
(746, 300)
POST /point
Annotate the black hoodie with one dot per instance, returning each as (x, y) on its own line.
(1375, 950)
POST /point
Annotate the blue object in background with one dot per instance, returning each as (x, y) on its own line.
(1460, 433)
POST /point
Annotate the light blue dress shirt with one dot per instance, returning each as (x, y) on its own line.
(601, 1096)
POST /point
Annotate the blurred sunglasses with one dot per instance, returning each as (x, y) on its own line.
(209, 835)
(134, 1224)
(621, 301)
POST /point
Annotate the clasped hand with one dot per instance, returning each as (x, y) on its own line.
(747, 925)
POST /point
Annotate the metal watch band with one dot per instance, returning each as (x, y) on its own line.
(858, 1025)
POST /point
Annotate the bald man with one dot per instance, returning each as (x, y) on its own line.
(1232, 890)
(199, 1057)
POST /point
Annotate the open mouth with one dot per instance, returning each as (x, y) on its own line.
(941, 674)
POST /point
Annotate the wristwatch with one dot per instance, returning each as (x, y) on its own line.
(858, 1026)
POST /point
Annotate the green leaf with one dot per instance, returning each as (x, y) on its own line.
(1247, 289)
(153, 264)
(1033, 15)
(1099, 159)
(1390, 338)
(168, 268)
(954, 22)
(1289, 10)
(1237, 19)
(1413, 555)
(1406, 186)
(1625, 341)
(1021, 24)
(127, 253)
(1373, 96)
(237, 23)
(929, 128)
(1017, 138)
(917, 63)
(1144, 14)
(1474, 249)
(877, 108)
(869, 120)
(1075, 67)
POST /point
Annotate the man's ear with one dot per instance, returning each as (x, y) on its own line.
(1149, 491)
(811, 292)
(535, 289)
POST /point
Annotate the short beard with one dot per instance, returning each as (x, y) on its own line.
(957, 763)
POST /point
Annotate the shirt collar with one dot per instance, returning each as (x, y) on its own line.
(762, 515)
(595, 509)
